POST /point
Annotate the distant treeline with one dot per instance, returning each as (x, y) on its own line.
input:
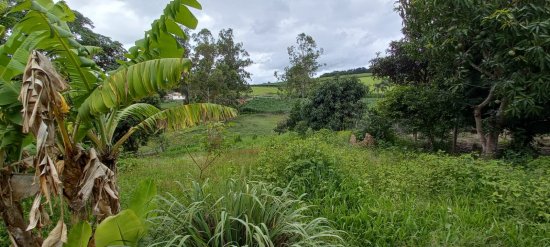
(347, 72)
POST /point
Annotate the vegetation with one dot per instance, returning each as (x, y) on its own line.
(66, 171)
(70, 112)
(244, 214)
(267, 105)
(332, 105)
(361, 70)
(492, 57)
(219, 73)
(298, 77)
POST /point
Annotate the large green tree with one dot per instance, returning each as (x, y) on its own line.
(298, 78)
(495, 53)
(219, 74)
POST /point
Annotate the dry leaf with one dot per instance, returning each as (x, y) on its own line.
(100, 182)
(57, 237)
(34, 215)
(42, 103)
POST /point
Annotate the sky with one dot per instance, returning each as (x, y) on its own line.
(350, 32)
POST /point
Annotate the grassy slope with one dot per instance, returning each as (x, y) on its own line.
(398, 205)
(406, 199)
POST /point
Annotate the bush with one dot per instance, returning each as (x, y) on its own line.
(308, 164)
(377, 125)
(335, 105)
(244, 214)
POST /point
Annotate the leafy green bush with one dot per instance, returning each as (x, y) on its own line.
(395, 197)
(308, 164)
(377, 125)
(335, 105)
(241, 214)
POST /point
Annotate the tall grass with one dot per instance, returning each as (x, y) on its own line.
(238, 214)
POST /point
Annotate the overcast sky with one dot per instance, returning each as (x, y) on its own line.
(349, 31)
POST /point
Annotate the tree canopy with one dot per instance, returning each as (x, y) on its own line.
(298, 76)
(494, 55)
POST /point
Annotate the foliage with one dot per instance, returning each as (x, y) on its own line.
(376, 124)
(125, 228)
(307, 166)
(425, 110)
(82, 175)
(395, 197)
(219, 73)
(355, 71)
(213, 142)
(400, 67)
(335, 105)
(240, 214)
(492, 53)
(298, 76)
(141, 137)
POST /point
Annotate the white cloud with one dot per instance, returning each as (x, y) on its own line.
(350, 31)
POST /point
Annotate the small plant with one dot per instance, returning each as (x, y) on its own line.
(244, 214)
(212, 142)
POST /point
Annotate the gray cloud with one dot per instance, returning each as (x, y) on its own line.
(349, 31)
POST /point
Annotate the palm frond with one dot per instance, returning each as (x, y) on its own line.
(186, 116)
(161, 41)
(133, 83)
(45, 27)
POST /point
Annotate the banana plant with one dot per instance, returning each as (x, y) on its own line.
(81, 103)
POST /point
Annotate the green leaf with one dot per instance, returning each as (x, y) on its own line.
(141, 201)
(123, 229)
(132, 83)
(79, 235)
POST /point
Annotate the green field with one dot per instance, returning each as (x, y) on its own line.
(267, 90)
(264, 90)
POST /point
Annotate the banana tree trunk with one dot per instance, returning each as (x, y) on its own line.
(12, 211)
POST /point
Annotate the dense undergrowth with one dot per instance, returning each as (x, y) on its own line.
(393, 197)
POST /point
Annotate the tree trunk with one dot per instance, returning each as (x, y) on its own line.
(13, 215)
(455, 140)
(489, 141)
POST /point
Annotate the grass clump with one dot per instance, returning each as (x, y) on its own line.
(238, 214)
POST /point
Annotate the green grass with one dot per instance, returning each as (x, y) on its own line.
(264, 90)
(250, 125)
(366, 78)
(390, 197)
(267, 105)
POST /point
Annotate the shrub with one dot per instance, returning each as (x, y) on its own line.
(377, 125)
(335, 105)
(244, 214)
(308, 164)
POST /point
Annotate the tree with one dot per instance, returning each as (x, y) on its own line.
(493, 53)
(417, 101)
(335, 104)
(110, 51)
(421, 109)
(231, 65)
(220, 73)
(298, 77)
(355, 71)
(62, 116)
